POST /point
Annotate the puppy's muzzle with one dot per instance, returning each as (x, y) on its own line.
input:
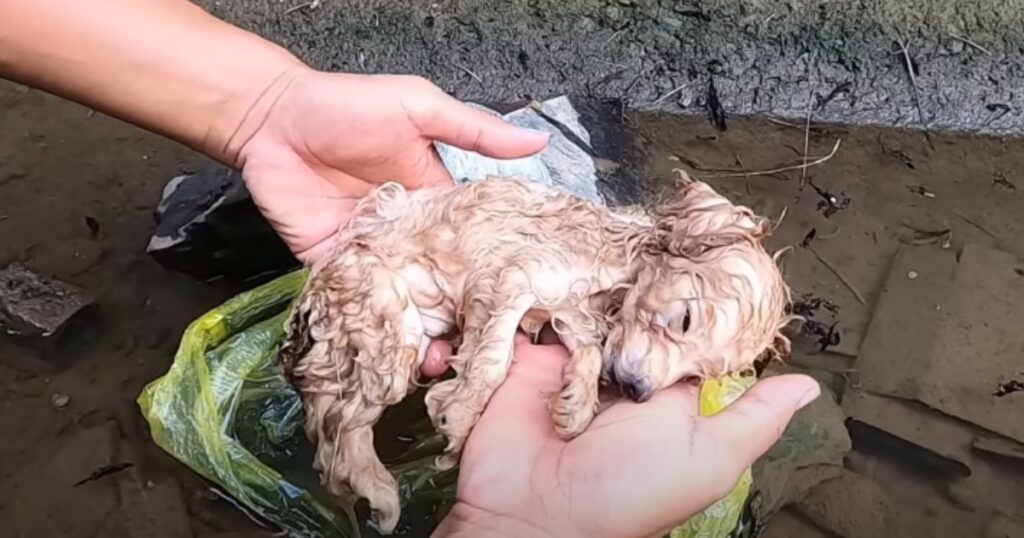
(634, 386)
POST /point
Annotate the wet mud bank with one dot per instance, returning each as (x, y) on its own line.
(941, 65)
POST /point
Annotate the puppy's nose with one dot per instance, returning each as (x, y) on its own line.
(637, 389)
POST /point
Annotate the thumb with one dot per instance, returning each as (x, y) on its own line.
(756, 421)
(457, 124)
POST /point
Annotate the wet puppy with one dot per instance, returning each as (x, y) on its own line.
(642, 297)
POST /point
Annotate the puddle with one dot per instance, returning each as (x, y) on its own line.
(77, 191)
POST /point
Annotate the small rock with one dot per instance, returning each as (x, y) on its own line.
(60, 400)
(912, 275)
(851, 506)
(33, 304)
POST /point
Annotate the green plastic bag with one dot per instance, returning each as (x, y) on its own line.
(225, 410)
(721, 518)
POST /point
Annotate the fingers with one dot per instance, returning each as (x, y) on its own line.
(435, 363)
(457, 124)
(517, 415)
(756, 421)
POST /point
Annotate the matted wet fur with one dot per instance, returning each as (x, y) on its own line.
(643, 298)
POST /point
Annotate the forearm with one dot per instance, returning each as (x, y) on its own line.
(164, 65)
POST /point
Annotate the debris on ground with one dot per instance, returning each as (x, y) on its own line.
(921, 190)
(93, 226)
(1009, 387)
(568, 162)
(830, 203)
(850, 506)
(60, 400)
(1001, 181)
(207, 226)
(105, 470)
(826, 334)
(37, 305)
(806, 242)
(922, 236)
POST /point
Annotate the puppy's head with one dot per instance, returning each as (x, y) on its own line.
(709, 300)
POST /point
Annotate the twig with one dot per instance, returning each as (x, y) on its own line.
(969, 42)
(807, 140)
(972, 222)
(909, 64)
(470, 73)
(670, 94)
(849, 285)
(615, 36)
(784, 123)
(311, 5)
(805, 165)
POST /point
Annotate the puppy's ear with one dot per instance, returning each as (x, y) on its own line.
(699, 219)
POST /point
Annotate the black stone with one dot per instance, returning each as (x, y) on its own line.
(207, 226)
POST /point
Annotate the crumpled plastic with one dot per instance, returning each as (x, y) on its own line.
(225, 410)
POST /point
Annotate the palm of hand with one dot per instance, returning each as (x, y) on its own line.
(638, 470)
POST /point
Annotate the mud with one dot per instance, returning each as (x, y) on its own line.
(842, 61)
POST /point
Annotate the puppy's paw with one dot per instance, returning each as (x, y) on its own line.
(455, 421)
(574, 408)
(385, 517)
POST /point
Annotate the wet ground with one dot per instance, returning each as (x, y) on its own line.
(61, 165)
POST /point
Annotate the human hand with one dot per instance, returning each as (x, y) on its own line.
(320, 141)
(638, 470)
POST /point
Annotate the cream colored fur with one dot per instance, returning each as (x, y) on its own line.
(479, 261)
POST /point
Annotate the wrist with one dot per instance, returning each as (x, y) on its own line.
(464, 521)
(246, 107)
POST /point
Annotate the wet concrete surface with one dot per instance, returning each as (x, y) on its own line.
(843, 61)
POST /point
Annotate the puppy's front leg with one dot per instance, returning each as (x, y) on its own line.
(492, 313)
(575, 406)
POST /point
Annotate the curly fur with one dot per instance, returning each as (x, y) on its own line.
(482, 260)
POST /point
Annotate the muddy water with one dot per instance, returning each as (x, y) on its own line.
(59, 163)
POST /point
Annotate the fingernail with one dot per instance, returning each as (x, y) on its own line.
(809, 396)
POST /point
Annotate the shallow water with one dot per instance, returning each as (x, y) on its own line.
(59, 164)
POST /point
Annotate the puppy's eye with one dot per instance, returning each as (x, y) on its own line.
(686, 321)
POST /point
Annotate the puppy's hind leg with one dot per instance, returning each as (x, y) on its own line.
(492, 313)
(363, 336)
